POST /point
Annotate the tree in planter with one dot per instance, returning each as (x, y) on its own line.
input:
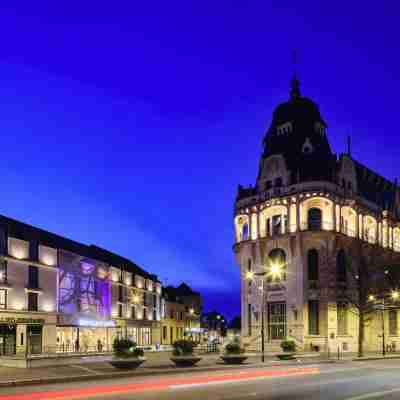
(125, 348)
(288, 346)
(234, 348)
(183, 348)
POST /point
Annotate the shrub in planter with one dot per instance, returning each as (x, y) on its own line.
(126, 354)
(289, 348)
(183, 355)
(233, 353)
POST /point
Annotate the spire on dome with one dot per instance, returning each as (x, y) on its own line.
(294, 84)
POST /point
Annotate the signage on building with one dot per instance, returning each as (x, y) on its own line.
(15, 321)
(95, 323)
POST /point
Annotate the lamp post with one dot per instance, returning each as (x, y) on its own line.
(381, 302)
(274, 272)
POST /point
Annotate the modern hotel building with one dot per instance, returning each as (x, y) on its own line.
(58, 295)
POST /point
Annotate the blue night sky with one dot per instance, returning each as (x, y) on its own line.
(130, 124)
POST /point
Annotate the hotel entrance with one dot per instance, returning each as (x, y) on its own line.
(276, 321)
(7, 339)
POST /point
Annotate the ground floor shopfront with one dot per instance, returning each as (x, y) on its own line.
(26, 333)
(98, 336)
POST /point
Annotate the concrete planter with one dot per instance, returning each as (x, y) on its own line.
(185, 361)
(286, 356)
(233, 358)
(127, 363)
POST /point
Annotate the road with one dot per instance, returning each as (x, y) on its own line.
(347, 381)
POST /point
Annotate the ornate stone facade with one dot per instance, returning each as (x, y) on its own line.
(309, 211)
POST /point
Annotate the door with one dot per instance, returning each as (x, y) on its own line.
(277, 321)
(35, 339)
(7, 340)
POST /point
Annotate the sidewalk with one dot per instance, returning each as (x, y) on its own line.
(156, 364)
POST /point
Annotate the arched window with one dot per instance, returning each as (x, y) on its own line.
(276, 265)
(341, 266)
(245, 232)
(314, 219)
(312, 263)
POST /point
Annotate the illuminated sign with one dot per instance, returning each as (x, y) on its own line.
(14, 321)
(96, 323)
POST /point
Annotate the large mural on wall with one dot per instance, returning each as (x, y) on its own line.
(83, 287)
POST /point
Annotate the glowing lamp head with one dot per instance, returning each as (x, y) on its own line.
(135, 299)
(275, 270)
(249, 275)
(191, 311)
(371, 297)
(395, 295)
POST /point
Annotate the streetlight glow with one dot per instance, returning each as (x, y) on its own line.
(275, 270)
(191, 311)
(249, 275)
(395, 295)
(371, 297)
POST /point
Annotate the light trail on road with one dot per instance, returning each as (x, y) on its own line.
(163, 384)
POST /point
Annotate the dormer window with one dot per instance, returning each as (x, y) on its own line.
(307, 147)
(284, 128)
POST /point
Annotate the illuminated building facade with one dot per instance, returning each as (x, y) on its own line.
(308, 214)
(57, 295)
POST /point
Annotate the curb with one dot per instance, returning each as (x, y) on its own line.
(142, 373)
(377, 358)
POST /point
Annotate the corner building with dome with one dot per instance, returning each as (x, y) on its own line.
(309, 213)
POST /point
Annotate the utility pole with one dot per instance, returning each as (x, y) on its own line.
(262, 323)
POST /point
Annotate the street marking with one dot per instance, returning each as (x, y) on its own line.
(374, 395)
(85, 369)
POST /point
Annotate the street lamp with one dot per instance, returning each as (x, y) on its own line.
(395, 295)
(274, 271)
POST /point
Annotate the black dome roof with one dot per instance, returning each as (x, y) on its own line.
(298, 132)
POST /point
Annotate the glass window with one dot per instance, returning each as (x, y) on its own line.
(277, 265)
(393, 322)
(133, 312)
(3, 271)
(119, 310)
(276, 225)
(278, 182)
(245, 232)
(3, 299)
(144, 313)
(314, 219)
(312, 261)
(164, 333)
(33, 277)
(341, 319)
(341, 266)
(313, 317)
(32, 301)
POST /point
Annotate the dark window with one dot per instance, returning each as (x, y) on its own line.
(33, 277)
(349, 186)
(155, 315)
(393, 322)
(144, 299)
(3, 299)
(276, 224)
(133, 312)
(32, 301)
(277, 266)
(343, 183)
(119, 310)
(314, 219)
(154, 300)
(268, 185)
(312, 262)
(144, 313)
(171, 334)
(164, 330)
(3, 271)
(249, 264)
(313, 317)
(249, 318)
(34, 250)
(268, 227)
(171, 314)
(341, 266)
(120, 293)
(181, 315)
(341, 319)
(245, 232)
(35, 339)
(278, 182)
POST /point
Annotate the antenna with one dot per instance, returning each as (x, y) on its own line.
(349, 145)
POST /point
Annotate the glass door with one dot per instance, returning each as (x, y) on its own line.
(277, 321)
